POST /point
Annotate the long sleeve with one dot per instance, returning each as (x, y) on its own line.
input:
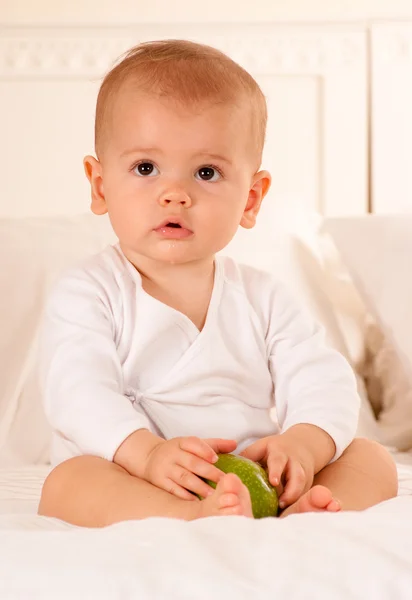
(314, 384)
(80, 370)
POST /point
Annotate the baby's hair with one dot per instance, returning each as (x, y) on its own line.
(188, 73)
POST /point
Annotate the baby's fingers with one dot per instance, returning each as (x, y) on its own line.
(221, 445)
(206, 449)
(200, 467)
(276, 464)
(189, 481)
(198, 447)
(177, 490)
(295, 484)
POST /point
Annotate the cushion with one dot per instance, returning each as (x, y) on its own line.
(377, 251)
(293, 253)
(33, 252)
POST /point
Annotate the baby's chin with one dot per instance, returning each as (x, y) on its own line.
(181, 252)
(174, 256)
(169, 252)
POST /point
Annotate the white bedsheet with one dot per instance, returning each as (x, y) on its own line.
(20, 489)
(313, 556)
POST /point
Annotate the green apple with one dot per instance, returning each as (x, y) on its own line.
(262, 494)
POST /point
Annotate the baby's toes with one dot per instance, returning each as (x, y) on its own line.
(227, 500)
(334, 506)
(318, 497)
(230, 484)
(232, 497)
(237, 509)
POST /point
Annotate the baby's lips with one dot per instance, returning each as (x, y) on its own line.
(173, 220)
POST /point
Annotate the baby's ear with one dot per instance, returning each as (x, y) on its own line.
(93, 170)
(259, 189)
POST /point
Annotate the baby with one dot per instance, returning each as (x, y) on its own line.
(157, 354)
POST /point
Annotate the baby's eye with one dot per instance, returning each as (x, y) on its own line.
(208, 174)
(146, 169)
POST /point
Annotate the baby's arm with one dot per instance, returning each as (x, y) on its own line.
(80, 369)
(314, 384)
(315, 396)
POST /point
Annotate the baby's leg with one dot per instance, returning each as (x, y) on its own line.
(363, 476)
(93, 492)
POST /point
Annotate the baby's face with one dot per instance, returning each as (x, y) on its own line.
(176, 183)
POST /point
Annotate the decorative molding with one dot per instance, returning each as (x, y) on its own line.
(392, 43)
(66, 57)
(79, 52)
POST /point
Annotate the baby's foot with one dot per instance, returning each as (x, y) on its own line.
(317, 499)
(231, 497)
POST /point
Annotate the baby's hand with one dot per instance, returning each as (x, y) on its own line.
(178, 464)
(290, 467)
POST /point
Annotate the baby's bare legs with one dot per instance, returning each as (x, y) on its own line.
(92, 492)
(363, 476)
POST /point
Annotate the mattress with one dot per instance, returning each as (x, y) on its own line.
(404, 466)
(20, 488)
(315, 556)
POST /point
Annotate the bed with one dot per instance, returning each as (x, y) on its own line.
(339, 267)
(312, 556)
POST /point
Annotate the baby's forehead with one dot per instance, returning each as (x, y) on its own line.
(134, 104)
(133, 96)
(223, 123)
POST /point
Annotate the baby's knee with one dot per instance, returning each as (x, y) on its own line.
(375, 459)
(60, 482)
(362, 449)
(368, 449)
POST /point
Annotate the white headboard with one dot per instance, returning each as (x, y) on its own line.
(314, 79)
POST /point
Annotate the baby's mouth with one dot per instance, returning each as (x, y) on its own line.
(173, 230)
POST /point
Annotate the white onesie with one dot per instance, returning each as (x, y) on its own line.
(114, 360)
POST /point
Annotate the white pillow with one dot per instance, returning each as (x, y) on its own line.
(32, 253)
(293, 253)
(378, 253)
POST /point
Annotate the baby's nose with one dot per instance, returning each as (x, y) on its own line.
(175, 197)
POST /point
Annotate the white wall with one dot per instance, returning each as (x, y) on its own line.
(322, 57)
(124, 11)
(314, 79)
